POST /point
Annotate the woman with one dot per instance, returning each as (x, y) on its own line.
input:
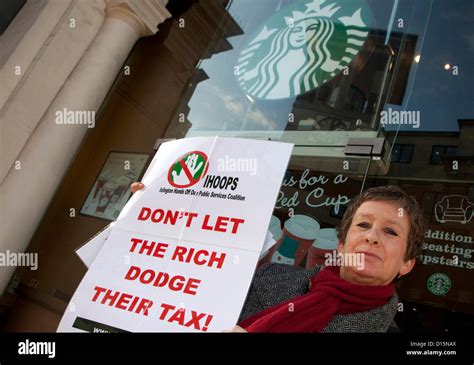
(385, 227)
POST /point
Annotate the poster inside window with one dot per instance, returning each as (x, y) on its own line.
(111, 188)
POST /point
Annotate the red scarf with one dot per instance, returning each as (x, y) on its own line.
(329, 295)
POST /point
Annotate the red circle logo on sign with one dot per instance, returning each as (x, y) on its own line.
(187, 170)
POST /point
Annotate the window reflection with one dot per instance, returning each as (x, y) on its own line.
(293, 62)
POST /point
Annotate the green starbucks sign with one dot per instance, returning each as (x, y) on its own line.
(303, 46)
(439, 284)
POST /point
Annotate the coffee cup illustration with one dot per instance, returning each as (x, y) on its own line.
(123, 184)
(298, 235)
(325, 244)
(275, 227)
(103, 178)
(106, 195)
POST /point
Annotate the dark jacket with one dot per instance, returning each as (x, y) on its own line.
(275, 283)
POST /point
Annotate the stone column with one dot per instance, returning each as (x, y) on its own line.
(26, 193)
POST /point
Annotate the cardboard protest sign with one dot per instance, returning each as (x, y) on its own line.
(182, 253)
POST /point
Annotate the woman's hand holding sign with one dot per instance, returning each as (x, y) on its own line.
(137, 186)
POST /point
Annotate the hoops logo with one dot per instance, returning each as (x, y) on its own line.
(188, 170)
(192, 167)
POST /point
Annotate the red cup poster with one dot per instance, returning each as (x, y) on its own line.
(181, 256)
(111, 190)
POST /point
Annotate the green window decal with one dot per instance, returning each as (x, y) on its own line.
(439, 284)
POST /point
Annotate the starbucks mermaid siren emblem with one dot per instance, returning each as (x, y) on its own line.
(302, 47)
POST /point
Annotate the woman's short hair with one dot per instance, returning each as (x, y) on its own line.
(397, 196)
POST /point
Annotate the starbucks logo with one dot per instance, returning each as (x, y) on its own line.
(302, 47)
(439, 284)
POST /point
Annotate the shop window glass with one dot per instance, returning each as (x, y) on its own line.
(253, 82)
(309, 65)
(439, 151)
(402, 153)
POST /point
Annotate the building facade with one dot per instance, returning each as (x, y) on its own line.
(358, 86)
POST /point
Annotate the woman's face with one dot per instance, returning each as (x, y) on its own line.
(379, 233)
(302, 32)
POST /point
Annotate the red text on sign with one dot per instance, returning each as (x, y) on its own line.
(185, 317)
(165, 216)
(122, 301)
(198, 257)
(156, 249)
(218, 224)
(162, 279)
(221, 224)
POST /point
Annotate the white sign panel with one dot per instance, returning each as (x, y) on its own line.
(182, 253)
